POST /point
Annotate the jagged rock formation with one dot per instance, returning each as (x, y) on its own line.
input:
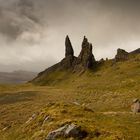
(79, 64)
(122, 55)
(84, 61)
(86, 57)
(67, 62)
(69, 50)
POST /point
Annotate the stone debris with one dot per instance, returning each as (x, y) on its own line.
(76, 103)
(6, 128)
(31, 118)
(46, 119)
(69, 130)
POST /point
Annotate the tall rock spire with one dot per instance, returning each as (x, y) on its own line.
(67, 62)
(85, 42)
(69, 50)
(86, 57)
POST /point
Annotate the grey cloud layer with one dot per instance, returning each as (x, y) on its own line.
(17, 17)
(32, 31)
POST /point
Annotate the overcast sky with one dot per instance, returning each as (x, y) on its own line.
(32, 32)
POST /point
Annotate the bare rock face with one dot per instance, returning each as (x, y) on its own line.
(69, 50)
(84, 61)
(86, 57)
(67, 62)
(122, 55)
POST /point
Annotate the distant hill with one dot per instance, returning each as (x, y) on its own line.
(16, 77)
(137, 51)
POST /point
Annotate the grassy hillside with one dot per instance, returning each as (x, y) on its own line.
(99, 101)
(108, 75)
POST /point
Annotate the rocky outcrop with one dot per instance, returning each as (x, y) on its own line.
(86, 58)
(121, 55)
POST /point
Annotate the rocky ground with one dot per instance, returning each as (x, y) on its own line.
(38, 113)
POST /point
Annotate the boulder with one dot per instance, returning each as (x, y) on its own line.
(69, 130)
(135, 107)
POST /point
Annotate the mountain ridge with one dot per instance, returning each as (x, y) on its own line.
(85, 61)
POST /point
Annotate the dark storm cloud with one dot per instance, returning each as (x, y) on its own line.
(17, 17)
(37, 29)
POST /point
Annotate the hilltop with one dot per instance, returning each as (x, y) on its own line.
(84, 61)
(72, 68)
